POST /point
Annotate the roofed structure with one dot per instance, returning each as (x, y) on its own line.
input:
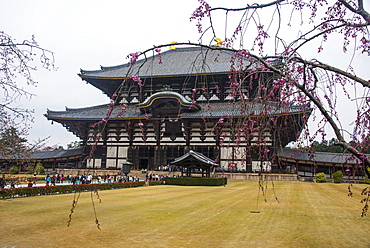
(195, 162)
(308, 163)
(184, 102)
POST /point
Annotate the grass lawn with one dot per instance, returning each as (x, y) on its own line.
(307, 215)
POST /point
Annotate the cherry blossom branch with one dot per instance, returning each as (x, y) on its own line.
(360, 9)
(253, 6)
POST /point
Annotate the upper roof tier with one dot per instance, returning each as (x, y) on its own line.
(172, 63)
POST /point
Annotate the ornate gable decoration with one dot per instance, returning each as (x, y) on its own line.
(167, 102)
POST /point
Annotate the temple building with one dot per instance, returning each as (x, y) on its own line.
(182, 100)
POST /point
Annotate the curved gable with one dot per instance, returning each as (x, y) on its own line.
(168, 101)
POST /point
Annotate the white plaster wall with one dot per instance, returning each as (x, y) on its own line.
(90, 164)
(256, 165)
(111, 151)
(122, 152)
(111, 163)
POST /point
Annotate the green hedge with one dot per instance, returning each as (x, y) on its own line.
(196, 181)
(65, 189)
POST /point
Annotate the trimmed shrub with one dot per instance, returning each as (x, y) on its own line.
(65, 189)
(338, 175)
(39, 170)
(30, 169)
(367, 180)
(196, 181)
(14, 170)
(320, 177)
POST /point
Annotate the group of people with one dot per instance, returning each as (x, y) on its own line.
(80, 179)
(153, 177)
(52, 180)
(88, 179)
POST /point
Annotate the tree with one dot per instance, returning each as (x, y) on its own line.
(306, 80)
(16, 66)
(74, 145)
(292, 32)
(326, 146)
(14, 147)
(13, 144)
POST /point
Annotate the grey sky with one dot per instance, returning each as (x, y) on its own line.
(87, 34)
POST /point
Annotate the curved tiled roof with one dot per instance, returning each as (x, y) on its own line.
(197, 156)
(57, 153)
(217, 109)
(179, 62)
(48, 154)
(93, 113)
(318, 157)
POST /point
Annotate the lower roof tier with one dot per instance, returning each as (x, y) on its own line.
(207, 110)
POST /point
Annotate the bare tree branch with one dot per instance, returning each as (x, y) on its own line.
(360, 9)
(253, 6)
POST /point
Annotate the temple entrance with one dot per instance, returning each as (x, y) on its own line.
(143, 164)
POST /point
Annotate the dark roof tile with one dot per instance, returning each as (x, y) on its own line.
(321, 157)
(181, 61)
(217, 109)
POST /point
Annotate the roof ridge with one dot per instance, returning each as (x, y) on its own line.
(155, 56)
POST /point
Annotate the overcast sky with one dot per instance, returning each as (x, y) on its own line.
(87, 34)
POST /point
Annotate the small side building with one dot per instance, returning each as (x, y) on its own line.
(194, 163)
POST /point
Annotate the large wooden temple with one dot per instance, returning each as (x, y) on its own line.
(183, 101)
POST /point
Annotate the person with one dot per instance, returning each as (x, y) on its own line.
(73, 180)
(34, 179)
(2, 182)
(109, 179)
(89, 179)
(47, 179)
(53, 180)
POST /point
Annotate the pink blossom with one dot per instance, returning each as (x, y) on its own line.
(133, 57)
(137, 79)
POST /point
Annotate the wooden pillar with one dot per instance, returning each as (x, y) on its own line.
(296, 167)
(187, 128)
(103, 164)
(157, 132)
(158, 158)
